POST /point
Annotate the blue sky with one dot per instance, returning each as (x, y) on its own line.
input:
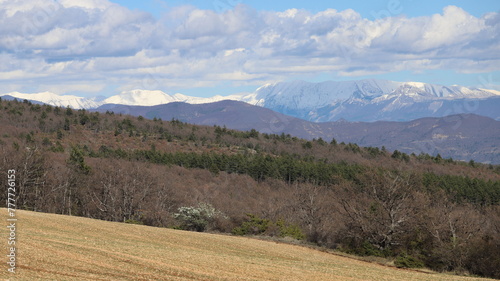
(208, 47)
(368, 9)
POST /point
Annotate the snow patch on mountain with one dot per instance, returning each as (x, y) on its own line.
(494, 92)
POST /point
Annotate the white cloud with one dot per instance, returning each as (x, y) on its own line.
(97, 42)
(71, 87)
(87, 4)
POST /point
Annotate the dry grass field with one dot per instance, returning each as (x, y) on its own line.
(56, 247)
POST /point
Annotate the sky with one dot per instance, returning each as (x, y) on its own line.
(221, 47)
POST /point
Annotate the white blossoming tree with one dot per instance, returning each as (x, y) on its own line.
(197, 218)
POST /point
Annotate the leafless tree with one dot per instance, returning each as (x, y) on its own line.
(380, 211)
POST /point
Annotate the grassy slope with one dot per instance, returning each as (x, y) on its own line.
(56, 247)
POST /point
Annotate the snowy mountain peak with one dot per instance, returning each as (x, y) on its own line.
(305, 95)
(141, 97)
(418, 85)
(150, 98)
(49, 96)
(57, 100)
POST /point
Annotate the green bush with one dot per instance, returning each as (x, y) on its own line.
(290, 230)
(256, 225)
(364, 248)
(406, 261)
(132, 221)
(368, 249)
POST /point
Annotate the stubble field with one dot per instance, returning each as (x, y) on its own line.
(56, 247)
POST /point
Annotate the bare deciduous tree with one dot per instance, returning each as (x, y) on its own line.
(380, 211)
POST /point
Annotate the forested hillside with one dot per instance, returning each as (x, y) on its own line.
(420, 210)
(462, 137)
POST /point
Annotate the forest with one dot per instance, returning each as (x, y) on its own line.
(419, 210)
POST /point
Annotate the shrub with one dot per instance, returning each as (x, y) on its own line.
(197, 218)
(253, 225)
(132, 221)
(256, 225)
(290, 230)
(46, 141)
(406, 261)
(363, 248)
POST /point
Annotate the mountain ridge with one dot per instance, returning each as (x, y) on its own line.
(367, 100)
(358, 100)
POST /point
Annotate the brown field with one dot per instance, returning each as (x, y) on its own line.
(56, 247)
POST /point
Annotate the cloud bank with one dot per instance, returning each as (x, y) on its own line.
(89, 45)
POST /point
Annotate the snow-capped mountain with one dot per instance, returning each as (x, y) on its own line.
(306, 95)
(150, 98)
(365, 100)
(362, 100)
(133, 97)
(141, 97)
(57, 100)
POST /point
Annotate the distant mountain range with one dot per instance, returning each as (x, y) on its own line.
(362, 100)
(462, 136)
(374, 100)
